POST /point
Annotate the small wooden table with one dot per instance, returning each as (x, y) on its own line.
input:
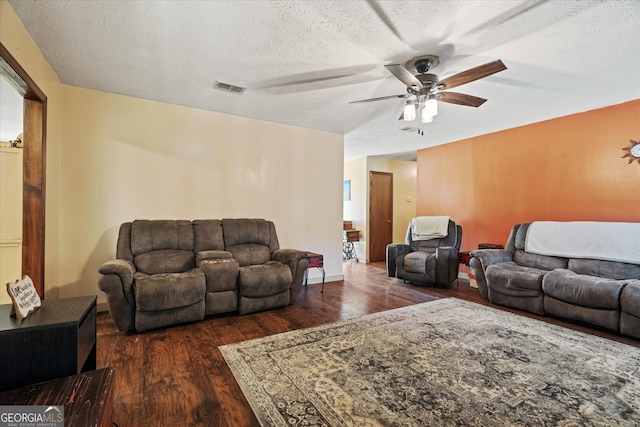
(490, 246)
(315, 261)
(56, 340)
(87, 397)
(464, 257)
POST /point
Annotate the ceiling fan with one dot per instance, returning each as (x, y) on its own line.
(426, 89)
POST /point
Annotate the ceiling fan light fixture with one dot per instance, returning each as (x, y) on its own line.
(409, 111)
(425, 117)
(430, 107)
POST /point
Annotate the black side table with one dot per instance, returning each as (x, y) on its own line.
(56, 340)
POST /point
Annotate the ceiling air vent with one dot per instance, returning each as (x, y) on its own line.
(229, 87)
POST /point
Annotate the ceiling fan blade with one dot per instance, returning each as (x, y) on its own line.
(472, 74)
(460, 99)
(404, 75)
(404, 95)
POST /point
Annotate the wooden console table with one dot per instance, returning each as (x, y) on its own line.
(87, 397)
(56, 340)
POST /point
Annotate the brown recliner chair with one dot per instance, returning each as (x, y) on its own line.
(154, 281)
(431, 262)
(268, 276)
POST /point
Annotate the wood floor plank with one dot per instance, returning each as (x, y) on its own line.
(177, 375)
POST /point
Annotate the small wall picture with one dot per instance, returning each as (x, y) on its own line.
(346, 191)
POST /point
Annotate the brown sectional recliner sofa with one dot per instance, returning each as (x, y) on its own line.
(168, 272)
(598, 292)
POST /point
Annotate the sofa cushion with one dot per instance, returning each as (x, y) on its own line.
(208, 235)
(419, 262)
(164, 261)
(604, 318)
(607, 269)
(512, 279)
(250, 254)
(221, 274)
(242, 231)
(264, 279)
(630, 298)
(167, 291)
(147, 235)
(521, 236)
(583, 290)
(542, 262)
(630, 309)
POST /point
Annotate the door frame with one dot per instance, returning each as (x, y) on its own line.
(33, 177)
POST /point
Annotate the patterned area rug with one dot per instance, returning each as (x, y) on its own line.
(446, 362)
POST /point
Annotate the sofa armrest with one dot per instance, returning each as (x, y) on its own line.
(212, 254)
(122, 267)
(393, 251)
(483, 258)
(117, 283)
(446, 265)
(288, 256)
(298, 263)
(492, 256)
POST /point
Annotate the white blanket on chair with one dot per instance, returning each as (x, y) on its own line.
(611, 241)
(429, 227)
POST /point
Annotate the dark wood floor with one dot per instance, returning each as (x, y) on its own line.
(177, 376)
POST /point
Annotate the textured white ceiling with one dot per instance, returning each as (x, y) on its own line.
(303, 61)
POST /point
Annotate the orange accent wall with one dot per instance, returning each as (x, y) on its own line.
(565, 169)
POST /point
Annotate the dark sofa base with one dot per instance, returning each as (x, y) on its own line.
(604, 318)
(629, 325)
(249, 305)
(146, 320)
(532, 304)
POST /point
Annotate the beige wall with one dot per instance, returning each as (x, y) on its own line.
(112, 158)
(355, 210)
(404, 196)
(404, 192)
(126, 158)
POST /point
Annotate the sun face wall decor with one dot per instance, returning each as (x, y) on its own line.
(633, 151)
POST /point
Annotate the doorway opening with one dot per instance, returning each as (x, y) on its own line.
(33, 173)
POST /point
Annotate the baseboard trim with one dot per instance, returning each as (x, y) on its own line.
(314, 280)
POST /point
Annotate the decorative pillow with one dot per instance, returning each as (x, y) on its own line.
(24, 297)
